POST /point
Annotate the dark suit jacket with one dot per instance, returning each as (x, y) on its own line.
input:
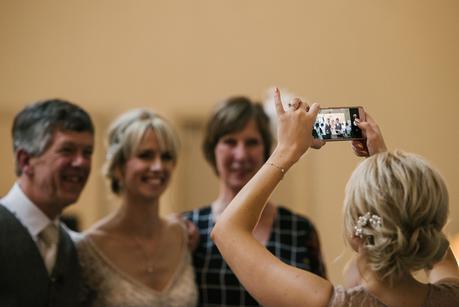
(24, 280)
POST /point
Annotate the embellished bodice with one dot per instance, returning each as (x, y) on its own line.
(113, 287)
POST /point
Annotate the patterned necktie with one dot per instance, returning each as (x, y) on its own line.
(48, 239)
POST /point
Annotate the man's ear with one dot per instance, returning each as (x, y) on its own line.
(23, 159)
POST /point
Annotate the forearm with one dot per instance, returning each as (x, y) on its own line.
(294, 131)
(245, 209)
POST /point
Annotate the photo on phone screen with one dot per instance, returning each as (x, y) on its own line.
(337, 124)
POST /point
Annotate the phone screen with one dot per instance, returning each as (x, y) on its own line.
(337, 124)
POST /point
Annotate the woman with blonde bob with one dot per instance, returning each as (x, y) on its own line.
(135, 257)
(395, 208)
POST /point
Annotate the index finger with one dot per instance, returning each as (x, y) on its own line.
(314, 109)
(278, 102)
(368, 118)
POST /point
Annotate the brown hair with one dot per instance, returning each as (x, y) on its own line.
(232, 115)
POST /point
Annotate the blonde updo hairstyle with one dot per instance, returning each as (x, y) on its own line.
(125, 135)
(412, 200)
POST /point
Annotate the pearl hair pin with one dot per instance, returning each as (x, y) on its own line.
(363, 221)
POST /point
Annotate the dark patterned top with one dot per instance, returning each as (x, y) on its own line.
(293, 239)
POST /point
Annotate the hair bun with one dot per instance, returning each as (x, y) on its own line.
(411, 198)
(423, 247)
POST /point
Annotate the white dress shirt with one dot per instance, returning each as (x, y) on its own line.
(33, 219)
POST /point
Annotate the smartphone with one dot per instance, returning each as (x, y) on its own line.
(337, 124)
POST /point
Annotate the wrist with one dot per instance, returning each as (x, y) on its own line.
(280, 168)
(282, 158)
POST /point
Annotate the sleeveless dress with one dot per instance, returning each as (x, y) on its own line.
(112, 287)
(444, 293)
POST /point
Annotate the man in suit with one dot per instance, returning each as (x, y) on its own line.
(53, 143)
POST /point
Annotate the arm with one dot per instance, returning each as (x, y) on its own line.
(269, 280)
(446, 268)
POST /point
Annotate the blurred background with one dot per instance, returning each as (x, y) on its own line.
(398, 59)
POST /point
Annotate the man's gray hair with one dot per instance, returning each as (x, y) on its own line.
(34, 126)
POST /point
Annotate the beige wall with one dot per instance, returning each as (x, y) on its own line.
(399, 59)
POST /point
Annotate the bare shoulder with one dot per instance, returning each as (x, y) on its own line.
(186, 229)
(175, 231)
(100, 227)
(175, 223)
(106, 237)
(174, 220)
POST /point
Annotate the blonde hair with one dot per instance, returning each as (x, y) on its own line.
(125, 134)
(412, 200)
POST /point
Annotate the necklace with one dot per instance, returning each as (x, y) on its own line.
(149, 267)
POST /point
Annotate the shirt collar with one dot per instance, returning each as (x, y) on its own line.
(26, 211)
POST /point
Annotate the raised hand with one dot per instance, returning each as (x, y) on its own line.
(373, 142)
(294, 132)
